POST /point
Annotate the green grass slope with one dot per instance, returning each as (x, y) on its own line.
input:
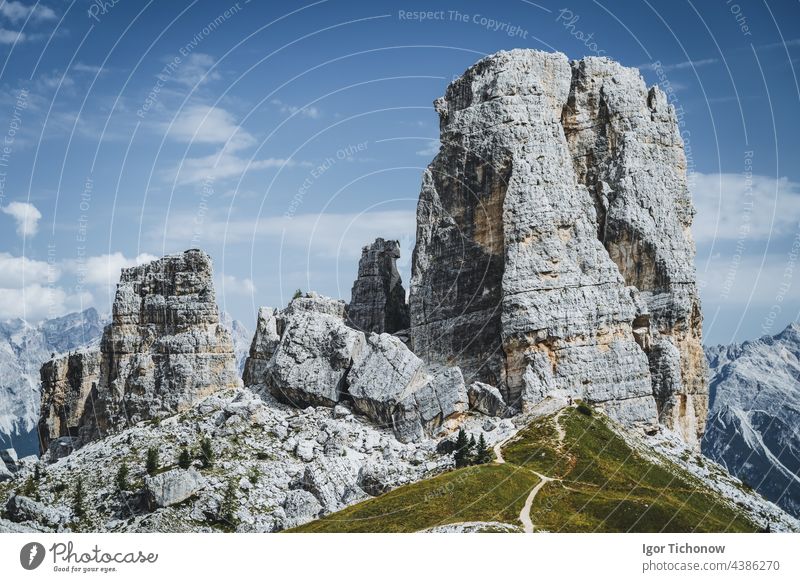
(599, 484)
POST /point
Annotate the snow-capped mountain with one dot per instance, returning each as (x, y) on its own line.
(754, 414)
(23, 349)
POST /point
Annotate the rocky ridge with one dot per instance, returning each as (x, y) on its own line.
(553, 251)
(754, 417)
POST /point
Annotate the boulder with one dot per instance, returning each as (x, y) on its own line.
(173, 486)
(487, 400)
(265, 341)
(314, 355)
(300, 507)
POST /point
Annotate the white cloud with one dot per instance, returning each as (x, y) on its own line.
(11, 36)
(37, 302)
(328, 235)
(90, 69)
(195, 70)
(26, 215)
(223, 165)
(310, 112)
(209, 125)
(731, 204)
(104, 270)
(17, 11)
(232, 285)
(17, 272)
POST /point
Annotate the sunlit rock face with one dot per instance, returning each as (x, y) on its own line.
(165, 348)
(553, 250)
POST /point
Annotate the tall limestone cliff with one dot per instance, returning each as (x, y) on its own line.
(164, 350)
(553, 249)
(378, 300)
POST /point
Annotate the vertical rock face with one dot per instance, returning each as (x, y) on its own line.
(531, 269)
(165, 347)
(67, 383)
(627, 151)
(378, 301)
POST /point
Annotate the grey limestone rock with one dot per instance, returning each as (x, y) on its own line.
(67, 384)
(378, 300)
(173, 486)
(539, 268)
(21, 509)
(487, 400)
(300, 506)
(165, 348)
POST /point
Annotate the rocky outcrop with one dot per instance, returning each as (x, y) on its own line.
(755, 414)
(378, 300)
(306, 355)
(67, 383)
(551, 262)
(24, 347)
(165, 347)
(487, 400)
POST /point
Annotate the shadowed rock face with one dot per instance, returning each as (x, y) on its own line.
(165, 347)
(67, 383)
(378, 301)
(553, 250)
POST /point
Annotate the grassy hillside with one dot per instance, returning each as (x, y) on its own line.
(599, 483)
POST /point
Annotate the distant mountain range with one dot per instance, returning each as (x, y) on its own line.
(754, 414)
(25, 347)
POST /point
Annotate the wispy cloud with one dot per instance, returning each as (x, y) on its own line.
(731, 206)
(26, 215)
(209, 125)
(287, 109)
(792, 42)
(679, 66)
(17, 11)
(196, 70)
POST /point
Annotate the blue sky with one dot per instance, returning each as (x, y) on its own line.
(281, 137)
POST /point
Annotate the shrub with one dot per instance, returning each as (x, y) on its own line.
(121, 480)
(254, 475)
(151, 466)
(184, 459)
(78, 499)
(297, 294)
(227, 508)
(206, 453)
(585, 409)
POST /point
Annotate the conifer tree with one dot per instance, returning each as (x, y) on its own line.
(121, 479)
(482, 454)
(461, 453)
(151, 465)
(78, 507)
(206, 453)
(184, 459)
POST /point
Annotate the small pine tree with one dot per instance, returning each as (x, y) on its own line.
(184, 459)
(461, 453)
(227, 508)
(121, 480)
(37, 472)
(297, 294)
(482, 454)
(254, 475)
(206, 453)
(471, 451)
(152, 461)
(78, 501)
